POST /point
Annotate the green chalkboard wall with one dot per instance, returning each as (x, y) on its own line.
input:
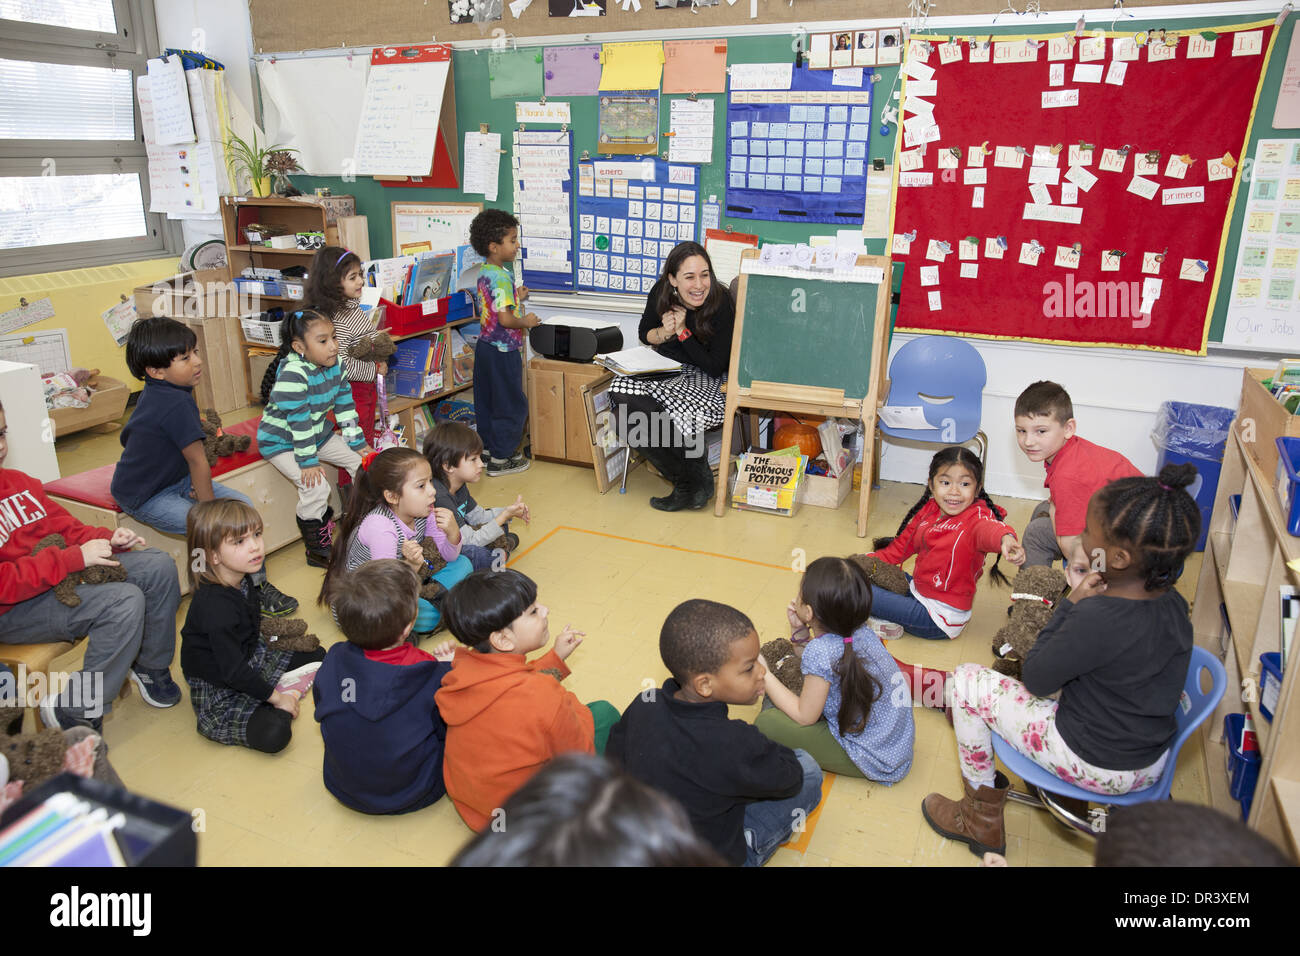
(474, 107)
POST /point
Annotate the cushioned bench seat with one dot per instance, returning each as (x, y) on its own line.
(88, 499)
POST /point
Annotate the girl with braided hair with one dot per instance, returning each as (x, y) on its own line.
(1117, 650)
(950, 530)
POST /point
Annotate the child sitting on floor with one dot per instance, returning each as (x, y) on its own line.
(455, 454)
(389, 516)
(849, 677)
(742, 791)
(231, 671)
(506, 716)
(375, 697)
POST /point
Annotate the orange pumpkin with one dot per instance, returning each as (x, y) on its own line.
(797, 433)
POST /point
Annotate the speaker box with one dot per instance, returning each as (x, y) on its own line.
(574, 343)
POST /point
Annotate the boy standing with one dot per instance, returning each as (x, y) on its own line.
(374, 695)
(1045, 431)
(742, 791)
(130, 626)
(506, 717)
(164, 470)
(500, 406)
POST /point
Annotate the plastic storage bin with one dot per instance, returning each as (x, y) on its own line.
(1243, 766)
(1195, 435)
(426, 316)
(1288, 482)
(1270, 683)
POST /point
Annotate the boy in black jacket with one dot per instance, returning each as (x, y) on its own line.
(384, 738)
(743, 792)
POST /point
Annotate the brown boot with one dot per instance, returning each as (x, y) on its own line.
(975, 820)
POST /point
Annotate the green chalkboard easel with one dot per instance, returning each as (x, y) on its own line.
(811, 342)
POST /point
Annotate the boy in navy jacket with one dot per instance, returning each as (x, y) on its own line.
(164, 471)
(374, 697)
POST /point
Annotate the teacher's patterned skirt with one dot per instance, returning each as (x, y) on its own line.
(692, 398)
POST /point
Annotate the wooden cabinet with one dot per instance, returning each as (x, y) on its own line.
(1237, 616)
(557, 417)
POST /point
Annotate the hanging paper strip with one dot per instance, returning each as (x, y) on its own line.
(543, 202)
(1074, 191)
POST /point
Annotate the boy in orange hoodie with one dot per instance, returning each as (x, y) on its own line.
(507, 717)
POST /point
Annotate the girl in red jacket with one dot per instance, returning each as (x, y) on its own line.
(949, 529)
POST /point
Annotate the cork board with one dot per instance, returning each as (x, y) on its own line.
(280, 26)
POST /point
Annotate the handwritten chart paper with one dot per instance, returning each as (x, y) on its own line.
(398, 128)
(173, 121)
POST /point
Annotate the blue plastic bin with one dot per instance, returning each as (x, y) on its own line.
(1288, 482)
(1194, 435)
(1243, 766)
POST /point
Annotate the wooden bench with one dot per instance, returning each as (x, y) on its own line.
(88, 499)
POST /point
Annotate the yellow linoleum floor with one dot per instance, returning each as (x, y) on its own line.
(612, 567)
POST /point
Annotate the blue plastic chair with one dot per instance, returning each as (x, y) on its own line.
(946, 377)
(1193, 707)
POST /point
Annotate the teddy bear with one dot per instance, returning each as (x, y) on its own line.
(882, 573)
(66, 590)
(288, 635)
(784, 663)
(216, 443)
(1035, 593)
(377, 346)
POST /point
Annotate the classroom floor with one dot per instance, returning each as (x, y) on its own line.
(613, 567)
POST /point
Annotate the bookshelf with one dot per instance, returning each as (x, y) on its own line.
(1237, 616)
(294, 216)
(405, 408)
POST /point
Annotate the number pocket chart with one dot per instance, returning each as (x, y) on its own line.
(630, 215)
(543, 197)
(797, 145)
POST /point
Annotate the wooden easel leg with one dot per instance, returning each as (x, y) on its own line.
(868, 458)
(724, 459)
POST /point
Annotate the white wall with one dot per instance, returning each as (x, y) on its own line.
(1116, 395)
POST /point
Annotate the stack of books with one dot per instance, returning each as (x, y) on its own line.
(418, 364)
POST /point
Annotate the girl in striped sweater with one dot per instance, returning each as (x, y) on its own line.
(296, 434)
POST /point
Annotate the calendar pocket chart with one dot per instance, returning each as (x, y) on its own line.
(630, 215)
(799, 153)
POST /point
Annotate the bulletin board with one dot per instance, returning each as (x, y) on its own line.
(445, 225)
(981, 238)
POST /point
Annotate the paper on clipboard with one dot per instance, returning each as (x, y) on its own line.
(725, 250)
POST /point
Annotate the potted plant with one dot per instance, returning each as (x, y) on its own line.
(250, 160)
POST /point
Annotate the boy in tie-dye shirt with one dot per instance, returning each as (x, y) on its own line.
(500, 406)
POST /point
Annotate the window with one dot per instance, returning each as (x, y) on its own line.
(74, 185)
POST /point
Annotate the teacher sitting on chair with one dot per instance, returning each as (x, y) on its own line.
(689, 318)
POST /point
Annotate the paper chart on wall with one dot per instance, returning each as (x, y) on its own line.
(482, 166)
(541, 163)
(397, 131)
(630, 215)
(173, 120)
(47, 350)
(183, 179)
(1264, 307)
(690, 131)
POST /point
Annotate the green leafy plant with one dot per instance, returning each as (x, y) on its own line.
(251, 159)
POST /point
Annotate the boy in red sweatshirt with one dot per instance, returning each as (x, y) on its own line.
(131, 626)
(506, 717)
(1076, 469)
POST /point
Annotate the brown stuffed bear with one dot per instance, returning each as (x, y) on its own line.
(289, 635)
(784, 663)
(66, 590)
(216, 443)
(882, 573)
(1035, 592)
(375, 346)
(431, 590)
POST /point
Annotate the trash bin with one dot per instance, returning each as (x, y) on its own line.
(1194, 435)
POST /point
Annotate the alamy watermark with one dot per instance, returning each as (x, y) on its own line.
(81, 691)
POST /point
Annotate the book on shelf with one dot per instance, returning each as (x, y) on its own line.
(641, 360)
(431, 277)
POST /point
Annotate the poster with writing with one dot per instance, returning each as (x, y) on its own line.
(542, 163)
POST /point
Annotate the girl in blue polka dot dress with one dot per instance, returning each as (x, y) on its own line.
(854, 715)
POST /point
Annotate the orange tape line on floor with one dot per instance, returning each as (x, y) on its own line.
(652, 544)
(801, 845)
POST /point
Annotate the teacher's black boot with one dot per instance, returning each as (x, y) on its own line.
(698, 477)
(669, 463)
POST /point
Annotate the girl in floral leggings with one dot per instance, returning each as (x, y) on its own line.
(1117, 651)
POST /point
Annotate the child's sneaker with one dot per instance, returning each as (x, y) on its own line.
(275, 603)
(156, 687)
(507, 466)
(64, 718)
(885, 630)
